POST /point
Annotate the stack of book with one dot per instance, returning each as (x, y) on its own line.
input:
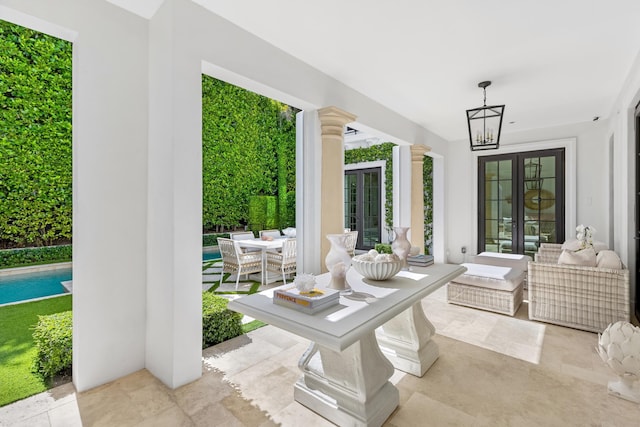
(420, 260)
(307, 302)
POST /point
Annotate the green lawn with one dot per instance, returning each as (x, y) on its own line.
(17, 350)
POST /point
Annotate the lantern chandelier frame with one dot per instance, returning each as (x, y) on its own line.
(485, 124)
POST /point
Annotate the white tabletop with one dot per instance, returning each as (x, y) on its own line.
(264, 244)
(372, 304)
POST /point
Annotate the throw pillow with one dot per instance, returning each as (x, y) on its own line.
(571, 245)
(585, 257)
(608, 259)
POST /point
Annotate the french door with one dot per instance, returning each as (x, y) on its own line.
(362, 205)
(520, 201)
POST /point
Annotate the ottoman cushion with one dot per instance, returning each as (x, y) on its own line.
(491, 277)
(516, 261)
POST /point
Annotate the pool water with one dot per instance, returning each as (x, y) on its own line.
(209, 255)
(21, 287)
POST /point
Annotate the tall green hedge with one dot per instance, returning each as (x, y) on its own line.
(248, 145)
(248, 149)
(35, 138)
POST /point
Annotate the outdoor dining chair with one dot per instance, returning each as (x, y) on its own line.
(244, 235)
(236, 261)
(270, 233)
(283, 262)
(274, 234)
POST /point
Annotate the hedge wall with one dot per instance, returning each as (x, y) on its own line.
(248, 149)
(248, 145)
(35, 138)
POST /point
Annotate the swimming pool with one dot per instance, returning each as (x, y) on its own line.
(210, 254)
(27, 286)
(22, 287)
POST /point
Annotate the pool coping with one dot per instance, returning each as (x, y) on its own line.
(35, 268)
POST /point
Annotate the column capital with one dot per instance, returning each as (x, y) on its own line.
(418, 151)
(332, 121)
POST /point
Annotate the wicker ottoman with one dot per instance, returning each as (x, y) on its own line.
(488, 287)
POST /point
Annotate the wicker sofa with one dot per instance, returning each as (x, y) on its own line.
(588, 298)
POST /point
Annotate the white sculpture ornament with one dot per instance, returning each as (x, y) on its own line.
(619, 347)
(304, 282)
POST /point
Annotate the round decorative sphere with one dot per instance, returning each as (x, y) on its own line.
(377, 270)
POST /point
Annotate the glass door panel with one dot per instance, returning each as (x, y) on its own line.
(497, 200)
(540, 187)
(520, 201)
(362, 206)
(371, 210)
(350, 201)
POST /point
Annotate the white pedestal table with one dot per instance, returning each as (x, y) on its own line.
(345, 372)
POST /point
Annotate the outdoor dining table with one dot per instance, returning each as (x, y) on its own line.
(265, 245)
(357, 343)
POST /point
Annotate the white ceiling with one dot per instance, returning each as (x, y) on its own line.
(552, 62)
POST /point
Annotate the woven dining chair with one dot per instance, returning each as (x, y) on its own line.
(283, 262)
(236, 261)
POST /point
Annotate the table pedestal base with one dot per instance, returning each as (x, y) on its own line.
(406, 341)
(350, 387)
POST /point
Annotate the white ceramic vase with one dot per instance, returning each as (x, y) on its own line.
(401, 246)
(338, 262)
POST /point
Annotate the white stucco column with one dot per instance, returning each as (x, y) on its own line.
(174, 243)
(308, 193)
(417, 195)
(401, 187)
(332, 120)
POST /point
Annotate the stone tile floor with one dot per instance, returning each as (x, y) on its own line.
(493, 370)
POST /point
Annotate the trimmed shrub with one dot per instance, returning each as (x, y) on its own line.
(212, 239)
(263, 213)
(218, 322)
(383, 248)
(52, 337)
(30, 256)
(290, 219)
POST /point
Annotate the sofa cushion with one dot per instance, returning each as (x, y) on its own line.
(585, 257)
(608, 259)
